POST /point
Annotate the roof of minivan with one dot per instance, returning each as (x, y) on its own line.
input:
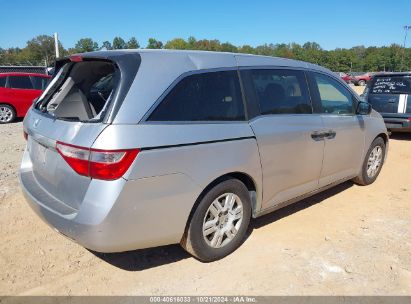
(208, 59)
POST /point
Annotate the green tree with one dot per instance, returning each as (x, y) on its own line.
(228, 47)
(86, 45)
(154, 44)
(107, 45)
(248, 49)
(177, 44)
(133, 43)
(39, 51)
(208, 45)
(119, 43)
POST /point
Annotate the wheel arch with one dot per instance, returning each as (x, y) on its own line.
(385, 138)
(245, 178)
(11, 106)
(8, 104)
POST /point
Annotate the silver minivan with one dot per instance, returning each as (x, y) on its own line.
(139, 148)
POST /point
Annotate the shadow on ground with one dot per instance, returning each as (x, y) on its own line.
(401, 136)
(142, 259)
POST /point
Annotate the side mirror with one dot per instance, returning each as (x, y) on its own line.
(364, 108)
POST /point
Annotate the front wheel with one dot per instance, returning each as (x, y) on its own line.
(7, 113)
(372, 163)
(220, 221)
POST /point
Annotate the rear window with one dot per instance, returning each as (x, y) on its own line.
(391, 85)
(212, 96)
(20, 82)
(80, 91)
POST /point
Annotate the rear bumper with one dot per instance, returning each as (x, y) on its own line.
(397, 123)
(118, 215)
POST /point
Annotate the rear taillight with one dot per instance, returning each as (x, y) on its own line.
(76, 58)
(95, 163)
(409, 118)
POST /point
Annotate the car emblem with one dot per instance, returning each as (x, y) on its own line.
(36, 122)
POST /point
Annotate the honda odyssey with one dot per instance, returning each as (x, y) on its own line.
(139, 148)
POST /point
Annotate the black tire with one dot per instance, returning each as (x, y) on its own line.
(364, 179)
(194, 242)
(11, 114)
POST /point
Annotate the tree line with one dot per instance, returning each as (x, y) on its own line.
(40, 51)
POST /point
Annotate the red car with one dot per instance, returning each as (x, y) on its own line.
(347, 78)
(362, 78)
(17, 92)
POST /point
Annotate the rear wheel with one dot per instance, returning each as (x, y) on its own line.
(7, 113)
(372, 163)
(220, 221)
(362, 82)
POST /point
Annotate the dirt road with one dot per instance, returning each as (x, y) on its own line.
(350, 240)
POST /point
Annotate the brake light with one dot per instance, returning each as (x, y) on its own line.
(76, 58)
(96, 163)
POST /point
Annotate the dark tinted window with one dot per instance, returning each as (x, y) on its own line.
(391, 85)
(3, 82)
(281, 91)
(203, 97)
(20, 82)
(334, 98)
(39, 83)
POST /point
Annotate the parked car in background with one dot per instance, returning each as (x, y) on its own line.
(17, 92)
(361, 78)
(390, 94)
(139, 148)
(347, 78)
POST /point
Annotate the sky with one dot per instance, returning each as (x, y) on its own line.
(332, 24)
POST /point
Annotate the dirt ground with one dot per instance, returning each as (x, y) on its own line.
(349, 240)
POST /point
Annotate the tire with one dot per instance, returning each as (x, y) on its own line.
(222, 239)
(7, 114)
(362, 83)
(370, 172)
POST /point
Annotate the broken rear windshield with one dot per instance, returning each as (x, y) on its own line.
(80, 91)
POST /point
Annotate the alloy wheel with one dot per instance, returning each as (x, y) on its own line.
(222, 220)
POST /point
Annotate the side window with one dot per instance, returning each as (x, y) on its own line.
(3, 82)
(281, 91)
(39, 83)
(334, 98)
(203, 97)
(20, 82)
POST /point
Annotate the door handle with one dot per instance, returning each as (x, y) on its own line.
(317, 136)
(330, 134)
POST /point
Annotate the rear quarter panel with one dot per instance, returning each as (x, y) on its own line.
(195, 154)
